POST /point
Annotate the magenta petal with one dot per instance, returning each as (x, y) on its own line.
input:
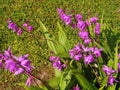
(25, 25)
(19, 32)
(19, 71)
(0, 64)
(93, 19)
(29, 81)
(25, 63)
(76, 87)
(78, 17)
(30, 28)
(88, 59)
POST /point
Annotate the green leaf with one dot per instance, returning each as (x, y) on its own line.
(65, 80)
(112, 87)
(54, 45)
(63, 55)
(63, 38)
(37, 88)
(116, 56)
(84, 82)
(104, 83)
(32, 87)
(54, 82)
(47, 36)
(101, 22)
(57, 72)
(91, 30)
(110, 63)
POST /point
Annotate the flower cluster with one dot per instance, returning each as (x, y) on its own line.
(28, 26)
(64, 17)
(89, 54)
(56, 61)
(81, 24)
(15, 28)
(14, 64)
(87, 50)
(109, 72)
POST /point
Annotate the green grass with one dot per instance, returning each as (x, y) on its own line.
(45, 10)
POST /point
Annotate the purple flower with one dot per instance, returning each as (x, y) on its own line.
(7, 54)
(81, 25)
(21, 58)
(25, 25)
(93, 19)
(0, 64)
(19, 71)
(87, 23)
(97, 29)
(13, 26)
(78, 17)
(111, 80)
(73, 26)
(29, 81)
(75, 53)
(30, 28)
(85, 49)
(15, 64)
(52, 58)
(60, 11)
(66, 19)
(11, 65)
(57, 64)
(119, 66)
(84, 35)
(19, 32)
(1, 58)
(97, 52)
(108, 70)
(24, 62)
(88, 59)
(76, 87)
(87, 41)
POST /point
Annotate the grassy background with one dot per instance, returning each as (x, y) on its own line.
(45, 10)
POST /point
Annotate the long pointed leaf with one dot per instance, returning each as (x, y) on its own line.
(84, 82)
(53, 44)
(63, 38)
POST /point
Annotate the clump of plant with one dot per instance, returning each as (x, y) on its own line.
(88, 64)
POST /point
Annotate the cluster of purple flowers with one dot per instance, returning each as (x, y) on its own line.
(80, 24)
(66, 18)
(83, 51)
(28, 26)
(15, 28)
(110, 72)
(83, 28)
(89, 54)
(56, 61)
(14, 64)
